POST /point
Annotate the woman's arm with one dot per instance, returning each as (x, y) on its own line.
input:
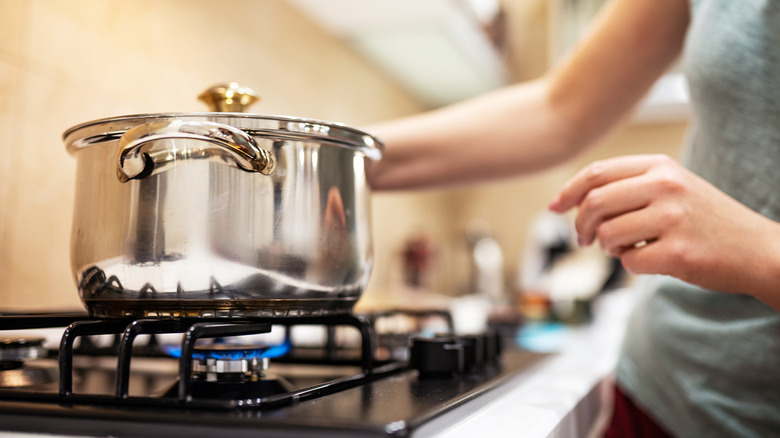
(531, 126)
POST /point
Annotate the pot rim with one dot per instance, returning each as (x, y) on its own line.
(274, 127)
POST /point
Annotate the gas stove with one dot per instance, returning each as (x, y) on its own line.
(282, 376)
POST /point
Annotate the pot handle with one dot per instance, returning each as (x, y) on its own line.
(136, 159)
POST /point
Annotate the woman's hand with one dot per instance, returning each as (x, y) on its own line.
(660, 218)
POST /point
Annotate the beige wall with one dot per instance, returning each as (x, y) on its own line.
(67, 62)
(63, 63)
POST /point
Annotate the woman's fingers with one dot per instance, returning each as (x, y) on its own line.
(609, 189)
(598, 174)
(660, 218)
(630, 231)
(608, 201)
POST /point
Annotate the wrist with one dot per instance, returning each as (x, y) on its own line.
(766, 281)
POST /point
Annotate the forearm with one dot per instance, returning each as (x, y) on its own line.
(505, 133)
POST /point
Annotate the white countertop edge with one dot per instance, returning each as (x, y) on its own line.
(563, 396)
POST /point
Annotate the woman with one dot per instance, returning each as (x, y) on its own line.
(702, 351)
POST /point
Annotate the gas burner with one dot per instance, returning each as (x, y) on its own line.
(233, 362)
(14, 351)
(15, 373)
(235, 371)
(252, 387)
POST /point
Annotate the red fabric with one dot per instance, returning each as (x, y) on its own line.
(629, 421)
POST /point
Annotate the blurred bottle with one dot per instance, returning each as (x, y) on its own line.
(418, 257)
(487, 262)
(549, 240)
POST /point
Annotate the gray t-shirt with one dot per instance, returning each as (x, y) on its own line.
(706, 363)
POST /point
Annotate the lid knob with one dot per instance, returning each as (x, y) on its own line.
(229, 97)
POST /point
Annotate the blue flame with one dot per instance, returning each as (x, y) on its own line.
(269, 351)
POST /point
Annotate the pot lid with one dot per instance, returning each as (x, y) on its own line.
(234, 98)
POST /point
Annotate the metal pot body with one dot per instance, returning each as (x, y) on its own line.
(175, 217)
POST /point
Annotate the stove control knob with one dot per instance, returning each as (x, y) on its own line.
(439, 357)
(473, 352)
(493, 347)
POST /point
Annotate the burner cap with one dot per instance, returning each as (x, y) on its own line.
(21, 349)
(233, 362)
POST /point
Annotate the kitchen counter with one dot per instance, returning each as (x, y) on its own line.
(565, 396)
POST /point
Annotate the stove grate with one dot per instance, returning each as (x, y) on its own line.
(193, 329)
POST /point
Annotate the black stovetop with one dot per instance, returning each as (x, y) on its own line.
(87, 393)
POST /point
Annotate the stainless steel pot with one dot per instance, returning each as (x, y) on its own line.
(220, 214)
